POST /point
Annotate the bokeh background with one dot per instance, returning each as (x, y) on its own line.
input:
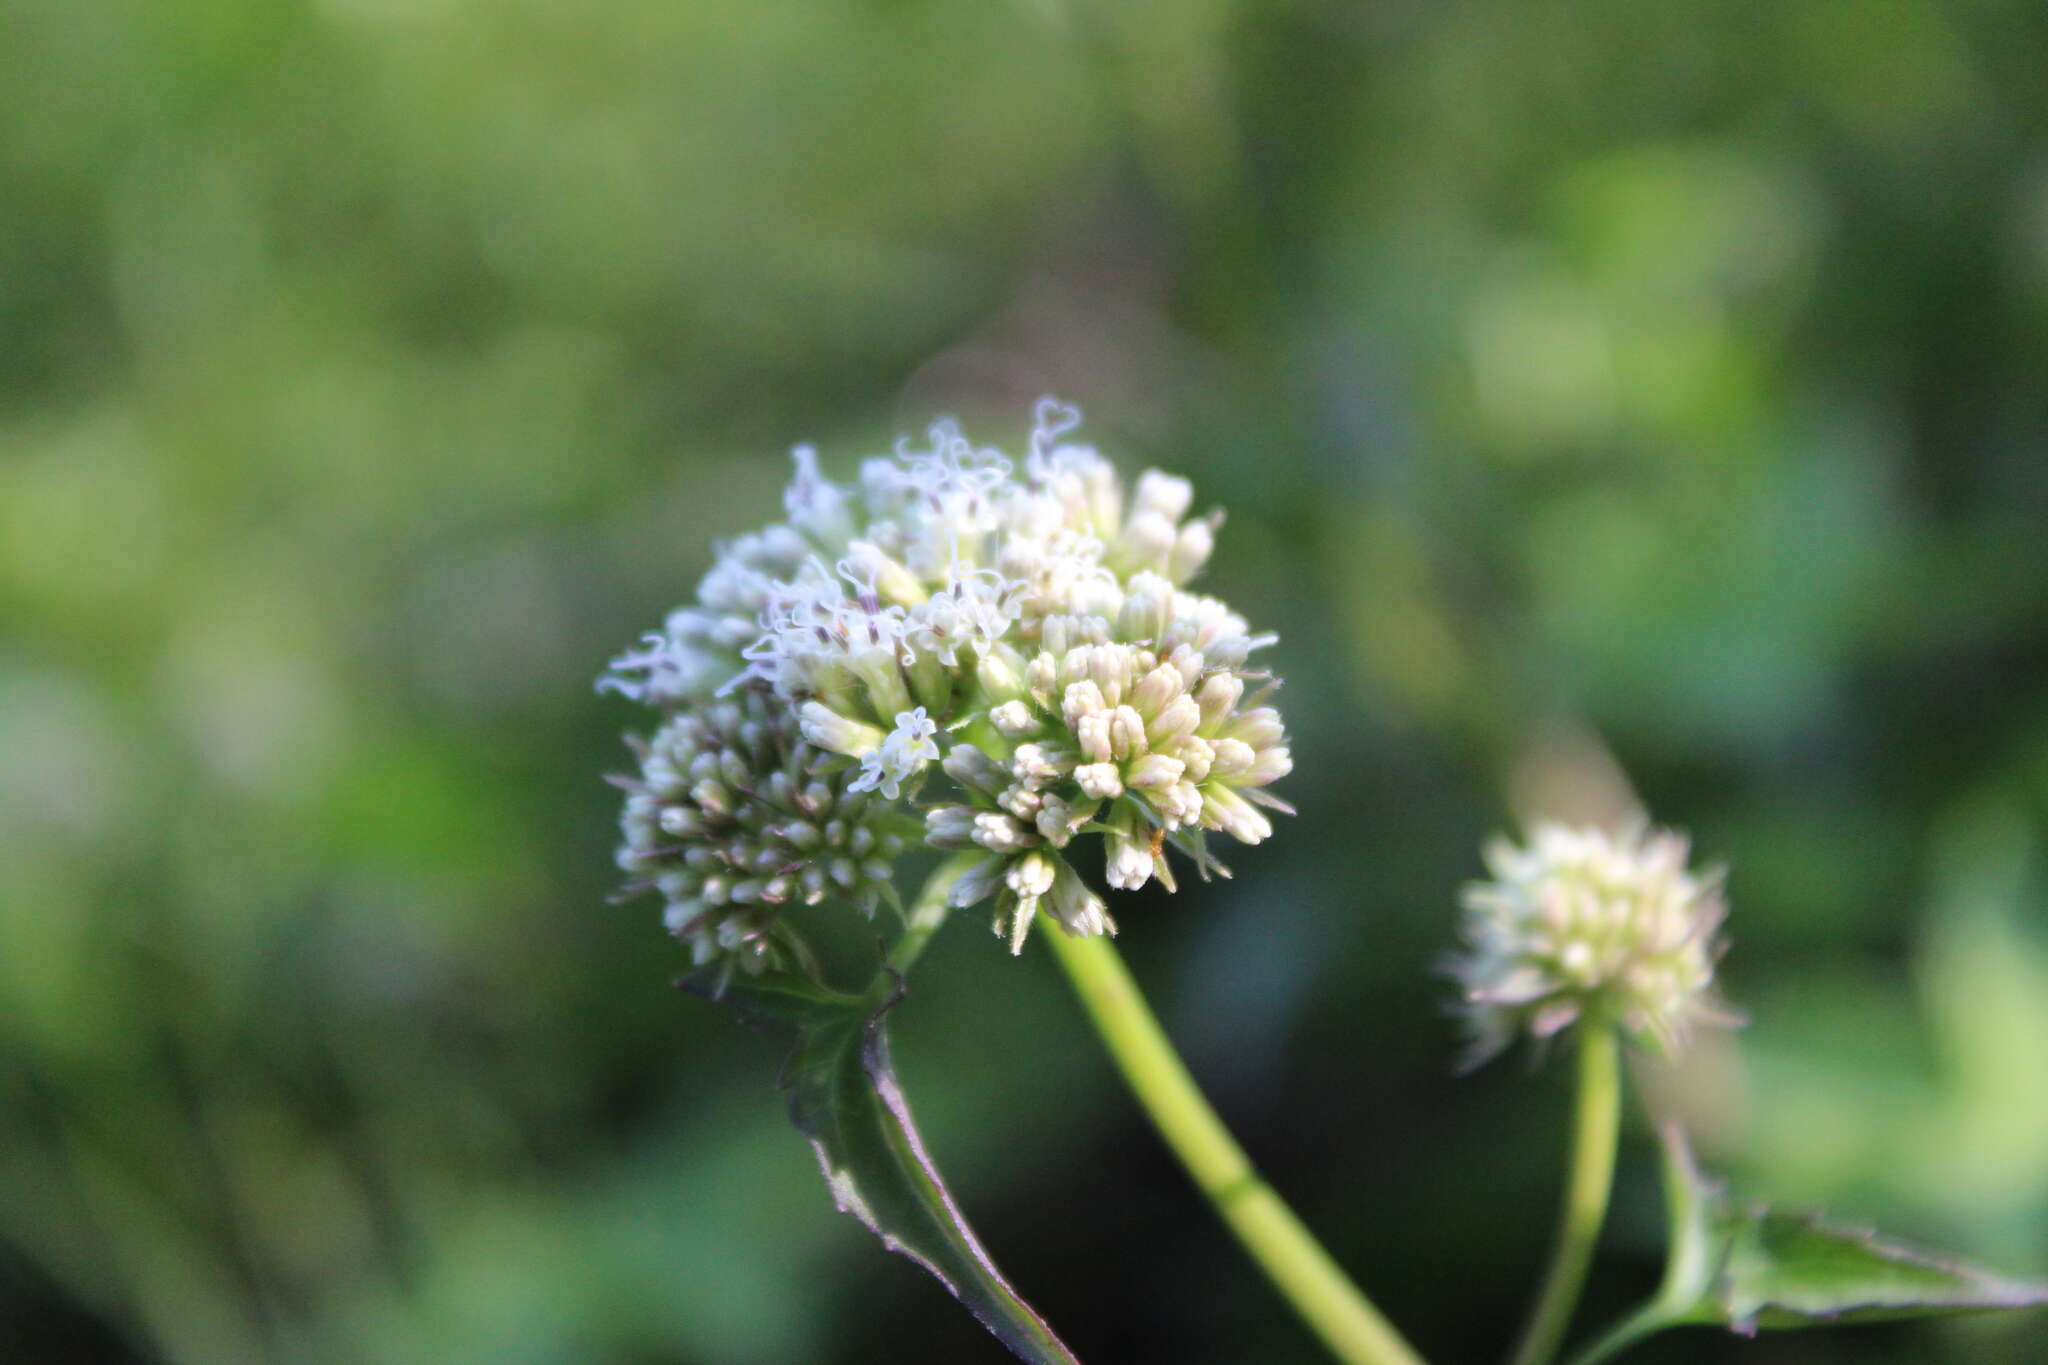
(1605, 396)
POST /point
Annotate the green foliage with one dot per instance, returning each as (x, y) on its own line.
(1760, 1268)
(1785, 1270)
(845, 1098)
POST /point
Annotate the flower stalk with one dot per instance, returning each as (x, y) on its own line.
(927, 913)
(1596, 1129)
(1688, 1264)
(1347, 1323)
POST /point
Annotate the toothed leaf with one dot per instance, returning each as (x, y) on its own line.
(844, 1097)
(1765, 1269)
(1792, 1270)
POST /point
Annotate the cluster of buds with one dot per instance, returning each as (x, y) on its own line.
(1026, 632)
(732, 815)
(1142, 740)
(1582, 924)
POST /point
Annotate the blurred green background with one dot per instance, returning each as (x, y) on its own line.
(1595, 389)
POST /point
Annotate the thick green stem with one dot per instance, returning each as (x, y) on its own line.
(1596, 1127)
(1297, 1264)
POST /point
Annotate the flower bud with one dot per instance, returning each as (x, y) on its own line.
(1083, 698)
(1582, 924)
(1154, 771)
(1041, 677)
(1091, 732)
(1030, 875)
(972, 768)
(1035, 763)
(1129, 862)
(1176, 719)
(1222, 808)
(881, 670)
(1258, 727)
(1146, 608)
(1000, 833)
(1100, 781)
(1162, 494)
(1013, 720)
(1000, 673)
(1271, 765)
(1079, 910)
(869, 563)
(977, 884)
(1218, 697)
(1234, 759)
(828, 729)
(949, 827)
(1191, 550)
(1126, 733)
(1146, 543)
(1157, 688)
(814, 503)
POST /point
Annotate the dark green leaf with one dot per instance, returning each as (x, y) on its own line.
(1792, 1270)
(844, 1097)
(1767, 1269)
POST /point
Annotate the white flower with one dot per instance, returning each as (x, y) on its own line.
(899, 757)
(1583, 924)
(974, 609)
(947, 553)
(815, 504)
(696, 652)
(1029, 629)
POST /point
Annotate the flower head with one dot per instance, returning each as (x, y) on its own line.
(1582, 923)
(1028, 630)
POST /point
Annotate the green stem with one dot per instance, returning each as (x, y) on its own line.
(1297, 1264)
(928, 911)
(1688, 1268)
(1596, 1127)
(1646, 1321)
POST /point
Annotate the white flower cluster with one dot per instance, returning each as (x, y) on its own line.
(1027, 631)
(1584, 924)
(1135, 735)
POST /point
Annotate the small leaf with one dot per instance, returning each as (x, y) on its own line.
(844, 1097)
(1767, 1269)
(1792, 1270)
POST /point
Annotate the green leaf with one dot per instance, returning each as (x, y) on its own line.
(1766, 1269)
(1792, 1270)
(844, 1097)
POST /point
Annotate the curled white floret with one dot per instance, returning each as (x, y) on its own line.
(901, 755)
